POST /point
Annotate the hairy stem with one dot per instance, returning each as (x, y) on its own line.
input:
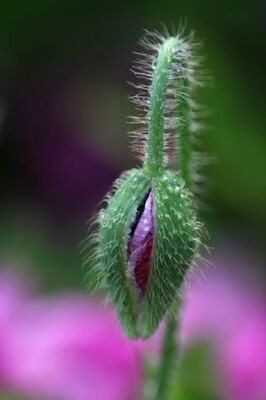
(154, 162)
(184, 134)
(169, 354)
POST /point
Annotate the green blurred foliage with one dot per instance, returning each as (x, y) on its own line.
(28, 245)
(195, 377)
(8, 396)
(96, 40)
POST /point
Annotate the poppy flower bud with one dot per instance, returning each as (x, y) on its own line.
(148, 237)
(148, 234)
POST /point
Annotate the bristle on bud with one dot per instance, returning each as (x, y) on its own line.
(185, 77)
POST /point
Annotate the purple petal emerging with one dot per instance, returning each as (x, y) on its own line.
(140, 246)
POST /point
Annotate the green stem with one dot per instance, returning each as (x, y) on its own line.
(169, 350)
(155, 165)
(168, 357)
(184, 136)
(154, 162)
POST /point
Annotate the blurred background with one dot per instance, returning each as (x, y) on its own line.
(64, 68)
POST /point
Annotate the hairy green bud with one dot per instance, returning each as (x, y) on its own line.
(143, 295)
(148, 234)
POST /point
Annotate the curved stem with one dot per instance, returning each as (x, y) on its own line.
(154, 162)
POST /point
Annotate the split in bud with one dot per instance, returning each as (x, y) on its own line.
(148, 234)
(148, 237)
(140, 243)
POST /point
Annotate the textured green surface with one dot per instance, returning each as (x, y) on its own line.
(176, 228)
(176, 238)
(113, 240)
(158, 97)
(185, 135)
(177, 235)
